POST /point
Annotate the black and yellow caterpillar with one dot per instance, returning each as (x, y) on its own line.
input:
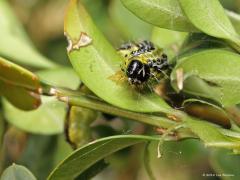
(143, 62)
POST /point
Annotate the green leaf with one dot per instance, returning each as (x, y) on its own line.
(223, 162)
(93, 170)
(62, 151)
(170, 13)
(235, 19)
(20, 97)
(60, 77)
(77, 126)
(100, 12)
(200, 41)
(211, 135)
(13, 74)
(95, 60)
(20, 86)
(47, 119)
(80, 160)
(162, 13)
(15, 44)
(130, 26)
(169, 40)
(210, 18)
(165, 38)
(213, 74)
(38, 154)
(17, 172)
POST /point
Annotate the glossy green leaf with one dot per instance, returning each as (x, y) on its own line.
(15, 44)
(162, 13)
(17, 172)
(20, 86)
(210, 18)
(49, 117)
(131, 27)
(83, 158)
(212, 74)
(95, 60)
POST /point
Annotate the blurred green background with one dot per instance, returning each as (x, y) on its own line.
(185, 160)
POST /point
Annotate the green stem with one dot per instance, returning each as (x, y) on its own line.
(96, 104)
(76, 98)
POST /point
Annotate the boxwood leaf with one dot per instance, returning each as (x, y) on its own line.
(128, 23)
(235, 20)
(213, 74)
(170, 14)
(49, 117)
(211, 135)
(17, 172)
(95, 60)
(81, 159)
(20, 97)
(210, 18)
(20, 86)
(162, 13)
(13, 74)
(60, 77)
(15, 43)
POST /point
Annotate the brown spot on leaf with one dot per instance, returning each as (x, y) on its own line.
(34, 78)
(37, 99)
(173, 117)
(70, 44)
(84, 40)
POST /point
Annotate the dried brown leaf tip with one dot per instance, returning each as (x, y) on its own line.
(84, 40)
